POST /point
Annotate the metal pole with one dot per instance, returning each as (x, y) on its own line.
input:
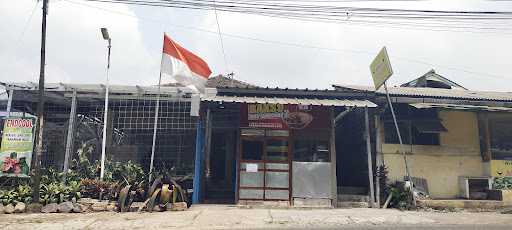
(155, 128)
(36, 170)
(407, 173)
(9, 102)
(71, 132)
(198, 163)
(105, 116)
(369, 156)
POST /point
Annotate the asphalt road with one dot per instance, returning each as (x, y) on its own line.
(409, 227)
(230, 217)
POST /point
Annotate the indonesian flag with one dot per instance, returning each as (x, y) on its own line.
(183, 66)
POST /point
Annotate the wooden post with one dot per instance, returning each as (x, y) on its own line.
(369, 156)
(207, 138)
(71, 131)
(488, 153)
(334, 182)
(36, 162)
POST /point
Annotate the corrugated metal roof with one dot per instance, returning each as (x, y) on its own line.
(434, 93)
(293, 101)
(461, 107)
(96, 88)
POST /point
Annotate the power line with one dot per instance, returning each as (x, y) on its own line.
(472, 20)
(207, 4)
(26, 26)
(305, 46)
(313, 7)
(221, 40)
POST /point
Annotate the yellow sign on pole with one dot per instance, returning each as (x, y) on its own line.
(381, 68)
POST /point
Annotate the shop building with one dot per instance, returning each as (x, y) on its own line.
(456, 140)
(283, 146)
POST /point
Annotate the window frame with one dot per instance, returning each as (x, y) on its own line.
(406, 117)
(312, 142)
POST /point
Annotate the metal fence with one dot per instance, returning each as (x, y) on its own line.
(129, 131)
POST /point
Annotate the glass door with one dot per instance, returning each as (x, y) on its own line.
(251, 170)
(277, 169)
(264, 172)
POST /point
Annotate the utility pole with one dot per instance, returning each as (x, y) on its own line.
(36, 169)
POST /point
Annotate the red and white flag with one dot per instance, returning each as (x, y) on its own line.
(183, 66)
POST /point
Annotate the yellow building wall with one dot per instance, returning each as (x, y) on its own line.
(457, 155)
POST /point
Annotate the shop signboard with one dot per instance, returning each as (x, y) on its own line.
(17, 145)
(279, 116)
(501, 168)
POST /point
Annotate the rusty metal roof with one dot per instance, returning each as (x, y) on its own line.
(433, 93)
(293, 101)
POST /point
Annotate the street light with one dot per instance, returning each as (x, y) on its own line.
(106, 37)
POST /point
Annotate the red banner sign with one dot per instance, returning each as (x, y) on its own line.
(278, 116)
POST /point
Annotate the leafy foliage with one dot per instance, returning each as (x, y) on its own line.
(83, 167)
(22, 193)
(58, 192)
(117, 175)
(97, 189)
(127, 173)
(504, 183)
(401, 197)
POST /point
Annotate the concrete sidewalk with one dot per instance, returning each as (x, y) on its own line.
(231, 217)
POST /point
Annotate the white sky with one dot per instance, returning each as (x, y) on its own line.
(76, 53)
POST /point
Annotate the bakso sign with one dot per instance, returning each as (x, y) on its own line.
(279, 116)
(16, 146)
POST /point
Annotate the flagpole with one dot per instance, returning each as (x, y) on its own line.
(155, 127)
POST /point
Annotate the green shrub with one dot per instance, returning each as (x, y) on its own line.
(22, 193)
(401, 198)
(504, 183)
(58, 192)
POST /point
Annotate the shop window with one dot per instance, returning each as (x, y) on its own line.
(252, 150)
(311, 151)
(417, 126)
(501, 134)
(391, 136)
(277, 150)
(411, 134)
